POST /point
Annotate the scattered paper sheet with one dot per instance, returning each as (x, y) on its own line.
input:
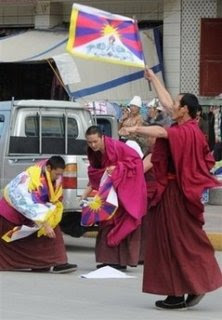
(106, 273)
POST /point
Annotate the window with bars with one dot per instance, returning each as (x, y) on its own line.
(52, 126)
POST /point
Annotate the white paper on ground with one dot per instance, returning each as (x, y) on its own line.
(106, 273)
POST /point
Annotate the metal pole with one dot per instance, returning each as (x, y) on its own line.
(66, 132)
(40, 131)
(94, 112)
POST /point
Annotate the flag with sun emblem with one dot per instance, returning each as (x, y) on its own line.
(97, 34)
(103, 205)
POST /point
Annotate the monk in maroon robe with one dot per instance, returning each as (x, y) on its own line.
(179, 257)
(118, 241)
(151, 186)
(32, 253)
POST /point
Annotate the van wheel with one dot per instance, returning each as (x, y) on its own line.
(70, 224)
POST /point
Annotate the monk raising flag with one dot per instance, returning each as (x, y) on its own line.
(97, 34)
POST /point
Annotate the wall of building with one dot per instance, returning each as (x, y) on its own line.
(192, 12)
(181, 29)
(219, 8)
(140, 9)
(14, 14)
(181, 41)
(171, 44)
(48, 13)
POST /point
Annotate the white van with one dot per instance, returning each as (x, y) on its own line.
(31, 130)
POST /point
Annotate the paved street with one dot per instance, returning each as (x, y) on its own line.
(32, 296)
(213, 218)
(66, 67)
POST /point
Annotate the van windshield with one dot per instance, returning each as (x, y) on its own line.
(52, 126)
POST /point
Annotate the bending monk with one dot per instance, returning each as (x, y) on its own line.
(118, 241)
(30, 210)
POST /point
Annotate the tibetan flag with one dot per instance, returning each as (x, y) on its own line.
(100, 35)
(103, 206)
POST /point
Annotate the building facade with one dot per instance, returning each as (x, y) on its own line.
(181, 21)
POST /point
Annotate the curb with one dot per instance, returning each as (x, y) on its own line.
(215, 238)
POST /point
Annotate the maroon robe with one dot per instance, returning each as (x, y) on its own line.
(179, 257)
(30, 252)
(151, 196)
(118, 240)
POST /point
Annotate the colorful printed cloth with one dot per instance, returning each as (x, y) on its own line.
(33, 195)
(103, 206)
(100, 35)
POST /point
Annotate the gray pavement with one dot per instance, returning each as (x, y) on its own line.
(213, 218)
(32, 296)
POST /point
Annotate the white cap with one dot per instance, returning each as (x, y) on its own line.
(152, 103)
(160, 107)
(136, 101)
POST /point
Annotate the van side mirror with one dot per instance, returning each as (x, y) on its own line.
(2, 118)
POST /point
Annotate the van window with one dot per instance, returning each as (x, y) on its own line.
(105, 126)
(53, 137)
(52, 127)
(2, 120)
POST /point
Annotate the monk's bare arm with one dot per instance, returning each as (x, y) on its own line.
(152, 131)
(163, 95)
(86, 192)
(147, 164)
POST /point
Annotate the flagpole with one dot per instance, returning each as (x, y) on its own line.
(94, 112)
(134, 18)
